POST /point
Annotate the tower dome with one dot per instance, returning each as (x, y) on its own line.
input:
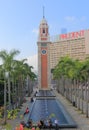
(43, 21)
(43, 30)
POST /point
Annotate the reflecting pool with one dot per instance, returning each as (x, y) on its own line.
(44, 109)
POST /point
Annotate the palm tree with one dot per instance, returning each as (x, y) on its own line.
(30, 76)
(19, 75)
(63, 71)
(85, 78)
(22, 71)
(78, 72)
(3, 82)
(8, 63)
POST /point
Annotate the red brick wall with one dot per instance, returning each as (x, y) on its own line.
(44, 39)
(44, 83)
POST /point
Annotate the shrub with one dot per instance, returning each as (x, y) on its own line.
(12, 114)
(7, 127)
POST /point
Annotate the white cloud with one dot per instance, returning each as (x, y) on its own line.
(35, 31)
(33, 61)
(83, 18)
(74, 19)
(70, 18)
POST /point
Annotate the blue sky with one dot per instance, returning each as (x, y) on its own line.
(20, 19)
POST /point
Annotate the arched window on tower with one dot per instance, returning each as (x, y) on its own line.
(43, 30)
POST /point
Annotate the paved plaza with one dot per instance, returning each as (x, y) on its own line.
(80, 119)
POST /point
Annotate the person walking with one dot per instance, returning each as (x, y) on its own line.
(50, 123)
(21, 127)
(26, 111)
(56, 124)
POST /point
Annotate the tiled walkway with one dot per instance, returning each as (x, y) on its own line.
(20, 117)
(80, 119)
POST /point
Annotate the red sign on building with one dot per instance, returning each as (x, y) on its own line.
(72, 35)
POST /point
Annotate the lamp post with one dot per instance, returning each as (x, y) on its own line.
(6, 76)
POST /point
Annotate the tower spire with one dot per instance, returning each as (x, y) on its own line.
(43, 12)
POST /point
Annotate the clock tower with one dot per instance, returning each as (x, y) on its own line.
(43, 56)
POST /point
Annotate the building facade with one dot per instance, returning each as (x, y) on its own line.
(74, 45)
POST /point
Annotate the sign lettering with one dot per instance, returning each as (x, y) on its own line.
(72, 35)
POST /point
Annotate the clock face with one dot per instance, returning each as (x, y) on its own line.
(43, 51)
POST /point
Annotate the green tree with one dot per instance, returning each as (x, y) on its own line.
(7, 65)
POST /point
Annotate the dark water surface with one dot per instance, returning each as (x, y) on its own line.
(45, 108)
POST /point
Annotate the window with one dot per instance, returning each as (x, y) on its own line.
(44, 44)
(43, 30)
